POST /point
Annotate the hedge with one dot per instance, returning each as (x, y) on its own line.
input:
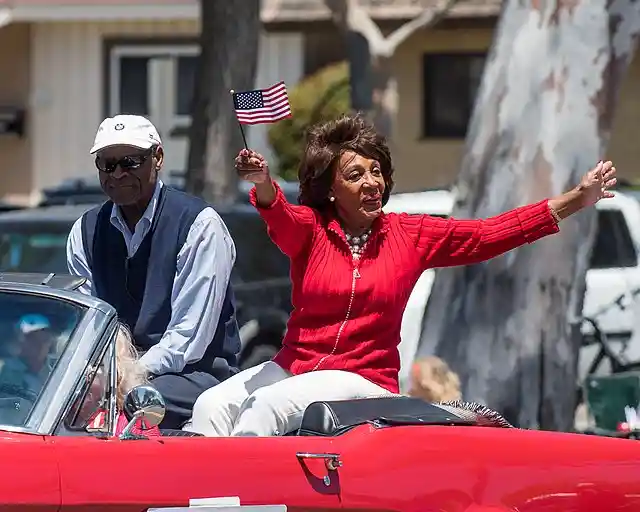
(322, 96)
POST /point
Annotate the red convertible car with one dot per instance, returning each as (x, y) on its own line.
(383, 454)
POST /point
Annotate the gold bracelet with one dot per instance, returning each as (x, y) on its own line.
(555, 215)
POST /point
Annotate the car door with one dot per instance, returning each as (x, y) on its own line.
(30, 477)
(133, 476)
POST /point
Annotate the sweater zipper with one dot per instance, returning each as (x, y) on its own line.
(355, 275)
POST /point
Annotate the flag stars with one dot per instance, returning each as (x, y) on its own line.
(249, 100)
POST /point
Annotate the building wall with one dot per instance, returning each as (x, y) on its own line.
(15, 152)
(68, 78)
(424, 163)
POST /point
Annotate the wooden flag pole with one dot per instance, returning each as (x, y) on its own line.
(244, 139)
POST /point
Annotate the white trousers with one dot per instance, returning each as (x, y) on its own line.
(267, 400)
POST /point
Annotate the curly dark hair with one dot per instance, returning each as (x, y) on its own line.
(325, 144)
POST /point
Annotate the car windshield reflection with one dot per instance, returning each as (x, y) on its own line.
(35, 332)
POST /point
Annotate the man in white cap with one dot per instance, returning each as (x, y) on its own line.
(162, 259)
(27, 371)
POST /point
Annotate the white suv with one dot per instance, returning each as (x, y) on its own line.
(614, 271)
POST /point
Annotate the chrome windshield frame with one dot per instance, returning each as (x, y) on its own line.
(70, 368)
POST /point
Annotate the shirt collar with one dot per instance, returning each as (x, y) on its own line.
(147, 216)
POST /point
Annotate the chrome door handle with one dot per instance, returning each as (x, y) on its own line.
(332, 460)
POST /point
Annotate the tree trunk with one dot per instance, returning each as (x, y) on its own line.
(373, 86)
(385, 95)
(228, 60)
(380, 104)
(541, 120)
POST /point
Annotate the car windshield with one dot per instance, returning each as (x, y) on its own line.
(35, 332)
(40, 250)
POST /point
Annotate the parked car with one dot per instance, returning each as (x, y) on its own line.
(8, 207)
(88, 191)
(614, 270)
(34, 240)
(392, 454)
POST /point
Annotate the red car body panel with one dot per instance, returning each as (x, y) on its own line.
(409, 468)
(30, 474)
(484, 469)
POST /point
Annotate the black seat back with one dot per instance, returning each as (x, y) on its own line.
(335, 417)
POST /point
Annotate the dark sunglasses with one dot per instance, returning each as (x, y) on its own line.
(126, 163)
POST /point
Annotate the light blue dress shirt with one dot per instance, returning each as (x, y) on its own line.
(203, 270)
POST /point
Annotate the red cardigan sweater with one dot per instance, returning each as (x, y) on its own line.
(347, 314)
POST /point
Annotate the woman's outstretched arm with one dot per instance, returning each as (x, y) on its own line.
(451, 242)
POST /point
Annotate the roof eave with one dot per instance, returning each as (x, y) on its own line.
(272, 13)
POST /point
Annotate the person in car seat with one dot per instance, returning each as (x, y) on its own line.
(27, 370)
(162, 259)
(130, 373)
(353, 268)
(433, 380)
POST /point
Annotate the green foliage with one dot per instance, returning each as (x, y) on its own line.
(320, 97)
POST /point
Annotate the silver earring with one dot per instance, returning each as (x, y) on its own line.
(332, 199)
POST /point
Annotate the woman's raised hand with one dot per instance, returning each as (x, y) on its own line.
(252, 166)
(596, 183)
(593, 186)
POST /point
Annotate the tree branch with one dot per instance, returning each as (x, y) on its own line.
(428, 18)
(351, 15)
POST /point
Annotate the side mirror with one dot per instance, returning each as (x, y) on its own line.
(145, 407)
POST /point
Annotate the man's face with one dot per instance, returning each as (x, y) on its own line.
(35, 348)
(128, 175)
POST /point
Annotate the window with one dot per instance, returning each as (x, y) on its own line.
(613, 247)
(156, 81)
(450, 84)
(133, 85)
(185, 84)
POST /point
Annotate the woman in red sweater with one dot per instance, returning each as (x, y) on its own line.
(352, 271)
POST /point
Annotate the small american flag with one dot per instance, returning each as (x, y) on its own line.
(262, 105)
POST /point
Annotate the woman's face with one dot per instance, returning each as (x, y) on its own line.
(358, 186)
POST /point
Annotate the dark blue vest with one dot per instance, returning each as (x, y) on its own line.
(142, 298)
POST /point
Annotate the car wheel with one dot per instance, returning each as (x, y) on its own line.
(258, 355)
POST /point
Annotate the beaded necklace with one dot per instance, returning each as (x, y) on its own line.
(357, 243)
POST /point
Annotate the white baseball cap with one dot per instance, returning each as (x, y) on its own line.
(126, 130)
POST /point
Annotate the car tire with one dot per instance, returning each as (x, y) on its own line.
(257, 355)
